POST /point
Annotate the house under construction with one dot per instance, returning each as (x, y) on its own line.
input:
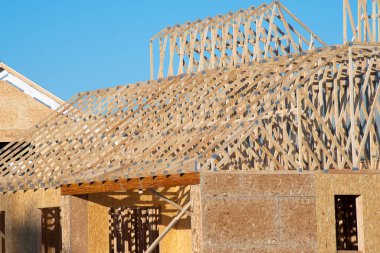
(253, 135)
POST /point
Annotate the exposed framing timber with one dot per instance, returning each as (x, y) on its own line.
(168, 227)
(167, 200)
(132, 184)
(365, 28)
(251, 34)
(287, 113)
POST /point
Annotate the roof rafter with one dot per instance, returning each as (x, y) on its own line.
(270, 30)
(296, 112)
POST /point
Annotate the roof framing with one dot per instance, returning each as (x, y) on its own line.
(365, 27)
(132, 184)
(270, 30)
(311, 111)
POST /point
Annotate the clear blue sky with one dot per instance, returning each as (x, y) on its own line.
(76, 45)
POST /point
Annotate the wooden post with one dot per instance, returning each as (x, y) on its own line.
(352, 22)
(162, 56)
(181, 53)
(213, 45)
(74, 224)
(164, 198)
(352, 109)
(269, 35)
(171, 55)
(299, 132)
(235, 27)
(151, 60)
(360, 223)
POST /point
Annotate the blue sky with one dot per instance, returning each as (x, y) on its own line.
(76, 45)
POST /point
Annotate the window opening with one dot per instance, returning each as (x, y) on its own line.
(133, 229)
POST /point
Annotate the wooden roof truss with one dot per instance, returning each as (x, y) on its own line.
(365, 26)
(310, 111)
(246, 35)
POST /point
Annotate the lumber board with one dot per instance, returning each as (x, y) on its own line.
(246, 35)
(292, 112)
(132, 184)
(361, 29)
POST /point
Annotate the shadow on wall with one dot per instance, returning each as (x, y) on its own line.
(146, 199)
(34, 235)
(51, 230)
(25, 236)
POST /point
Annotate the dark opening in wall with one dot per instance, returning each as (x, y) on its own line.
(2, 145)
(348, 225)
(51, 230)
(133, 229)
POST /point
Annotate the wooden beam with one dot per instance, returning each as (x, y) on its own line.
(179, 125)
(132, 184)
(151, 59)
(167, 200)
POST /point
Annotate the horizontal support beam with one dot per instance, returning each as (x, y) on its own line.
(358, 172)
(132, 184)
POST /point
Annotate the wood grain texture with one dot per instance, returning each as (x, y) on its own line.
(132, 184)
(316, 110)
(31, 83)
(19, 112)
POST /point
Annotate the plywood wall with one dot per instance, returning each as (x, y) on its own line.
(18, 112)
(283, 212)
(23, 218)
(196, 219)
(366, 185)
(177, 240)
(236, 212)
(253, 212)
(85, 219)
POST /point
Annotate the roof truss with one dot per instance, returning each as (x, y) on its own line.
(311, 111)
(365, 27)
(246, 35)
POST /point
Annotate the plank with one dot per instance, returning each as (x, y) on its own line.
(132, 184)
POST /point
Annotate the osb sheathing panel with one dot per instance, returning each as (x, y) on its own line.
(258, 212)
(18, 112)
(74, 217)
(366, 185)
(177, 240)
(23, 218)
(196, 218)
(267, 212)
